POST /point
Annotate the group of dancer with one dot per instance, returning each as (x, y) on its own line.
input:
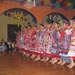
(50, 42)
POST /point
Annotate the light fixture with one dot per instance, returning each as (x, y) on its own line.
(29, 4)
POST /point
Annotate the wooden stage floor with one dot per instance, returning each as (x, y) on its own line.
(16, 64)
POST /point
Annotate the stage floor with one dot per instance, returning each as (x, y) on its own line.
(16, 64)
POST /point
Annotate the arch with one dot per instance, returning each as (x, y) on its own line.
(24, 11)
(58, 14)
(73, 18)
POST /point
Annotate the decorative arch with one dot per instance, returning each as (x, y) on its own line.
(73, 18)
(63, 17)
(23, 11)
(60, 15)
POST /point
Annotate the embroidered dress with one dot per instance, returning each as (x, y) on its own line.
(55, 43)
(28, 43)
(33, 41)
(55, 49)
(26, 47)
(71, 52)
(65, 46)
(25, 41)
(40, 43)
(65, 42)
(49, 42)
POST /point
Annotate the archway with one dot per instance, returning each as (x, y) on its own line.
(23, 10)
(8, 18)
(54, 16)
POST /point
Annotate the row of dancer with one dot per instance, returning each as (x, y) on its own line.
(48, 41)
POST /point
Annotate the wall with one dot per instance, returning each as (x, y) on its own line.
(38, 12)
(72, 13)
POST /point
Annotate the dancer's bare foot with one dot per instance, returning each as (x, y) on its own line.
(72, 65)
(33, 56)
(59, 62)
(24, 53)
(37, 58)
(63, 62)
(27, 55)
(51, 61)
(42, 59)
(69, 65)
(46, 59)
(54, 61)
